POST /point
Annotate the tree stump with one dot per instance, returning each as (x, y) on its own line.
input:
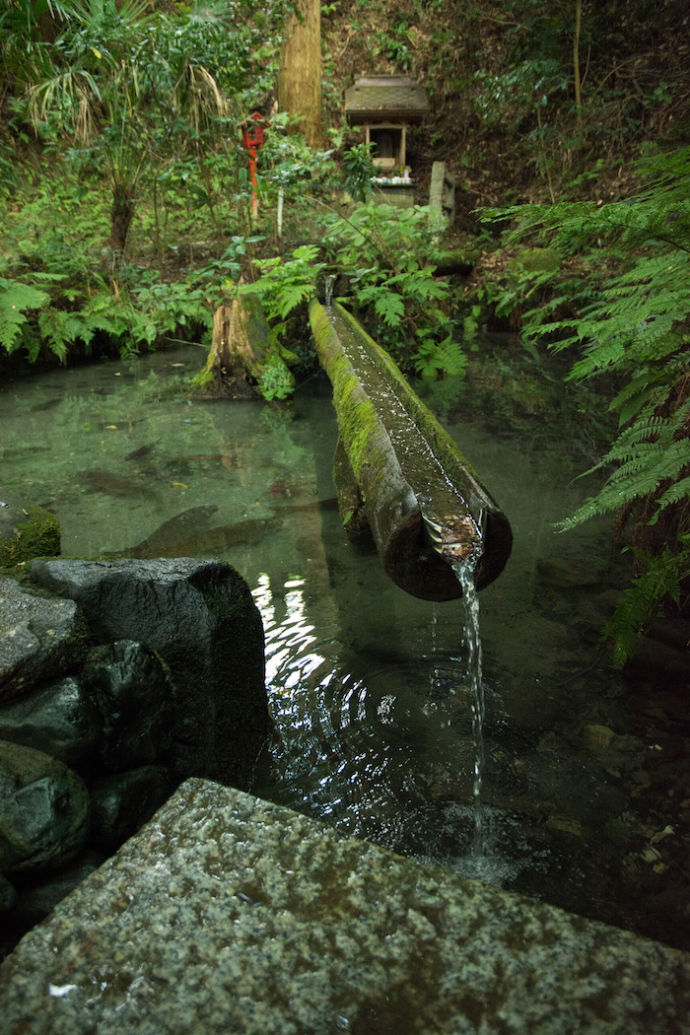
(238, 350)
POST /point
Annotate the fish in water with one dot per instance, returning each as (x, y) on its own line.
(114, 485)
(185, 536)
(140, 453)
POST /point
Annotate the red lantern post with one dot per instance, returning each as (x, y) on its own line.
(253, 130)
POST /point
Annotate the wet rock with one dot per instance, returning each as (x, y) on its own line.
(8, 895)
(35, 903)
(40, 639)
(120, 804)
(134, 696)
(26, 531)
(230, 914)
(44, 810)
(662, 660)
(199, 616)
(61, 720)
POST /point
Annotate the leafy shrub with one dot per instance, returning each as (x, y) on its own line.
(388, 255)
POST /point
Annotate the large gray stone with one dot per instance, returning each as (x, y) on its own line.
(60, 719)
(199, 616)
(228, 914)
(40, 638)
(44, 811)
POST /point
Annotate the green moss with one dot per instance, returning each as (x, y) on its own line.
(357, 418)
(37, 536)
(436, 435)
(536, 260)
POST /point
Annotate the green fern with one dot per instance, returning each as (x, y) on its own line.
(633, 322)
(643, 600)
(388, 305)
(443, 360)
(17, 300)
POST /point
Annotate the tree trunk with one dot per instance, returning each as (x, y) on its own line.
(299, 79)
(576, 64)
(121, 215)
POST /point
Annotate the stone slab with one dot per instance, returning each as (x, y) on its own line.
(229, 914)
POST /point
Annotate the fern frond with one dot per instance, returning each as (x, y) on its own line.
(678, 491)
(290, 296)
(16, 300)
(644, 599)
(445, 359)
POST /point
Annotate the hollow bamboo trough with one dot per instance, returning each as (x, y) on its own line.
(399, 473)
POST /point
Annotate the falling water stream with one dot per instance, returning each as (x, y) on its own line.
(465, 571)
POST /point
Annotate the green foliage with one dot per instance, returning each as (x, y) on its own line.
(17, 300)
(660, 580)
(284, 288)
(386, 254)
(359, 169)
(634, 326)
(286, 284)
(444, 359)
(52, 315)
(276, 380)
(141, 93)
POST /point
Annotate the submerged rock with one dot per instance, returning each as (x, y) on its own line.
(26, 531)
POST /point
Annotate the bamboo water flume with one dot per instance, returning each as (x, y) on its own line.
(398, 474)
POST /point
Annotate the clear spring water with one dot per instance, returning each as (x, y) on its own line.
(376, 715)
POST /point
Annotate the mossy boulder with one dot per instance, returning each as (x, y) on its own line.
(26, 531)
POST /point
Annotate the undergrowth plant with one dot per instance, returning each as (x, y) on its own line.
(285, 286)
(634, 324)
(388, 255)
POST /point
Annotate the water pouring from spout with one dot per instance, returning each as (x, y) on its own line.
(328, 288)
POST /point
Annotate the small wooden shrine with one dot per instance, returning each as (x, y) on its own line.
(385, 106)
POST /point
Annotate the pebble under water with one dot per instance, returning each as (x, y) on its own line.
(376, 716)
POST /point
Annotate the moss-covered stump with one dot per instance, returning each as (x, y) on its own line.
(398, 469)
(243, 362)
(26, 531)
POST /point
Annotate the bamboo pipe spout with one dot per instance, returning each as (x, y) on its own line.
(398, 473)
